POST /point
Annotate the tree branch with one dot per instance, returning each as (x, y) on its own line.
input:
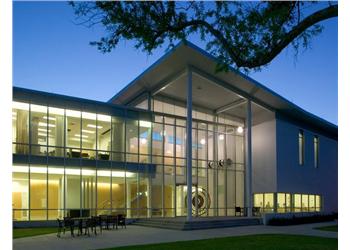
(326, 13)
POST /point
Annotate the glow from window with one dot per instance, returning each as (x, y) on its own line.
(90, 116)
(145, 124)
(20, 105)
(143, 141)
(73, 113)
(56, 111)
(104, 118)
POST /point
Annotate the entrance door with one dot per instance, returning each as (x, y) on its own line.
(199, 200)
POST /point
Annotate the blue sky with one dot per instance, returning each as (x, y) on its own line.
(51, 53)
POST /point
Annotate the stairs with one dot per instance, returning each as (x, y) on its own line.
(198, 223)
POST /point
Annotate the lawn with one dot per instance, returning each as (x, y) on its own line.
(328, 228)
(252, 242)
(28, 232)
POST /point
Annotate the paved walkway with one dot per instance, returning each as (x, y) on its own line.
(136, 235)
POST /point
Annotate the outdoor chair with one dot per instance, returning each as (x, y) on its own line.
(97, 222)
(68, 223)
(239, 210)
(105, 220)
(256, 211)
(60, 228)
(121, 220)
(113, 219)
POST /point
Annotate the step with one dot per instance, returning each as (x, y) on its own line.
(198, 224)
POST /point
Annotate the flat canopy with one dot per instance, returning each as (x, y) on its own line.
(212, 90)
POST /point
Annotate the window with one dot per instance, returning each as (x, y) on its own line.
(301, 147)
(316, 150)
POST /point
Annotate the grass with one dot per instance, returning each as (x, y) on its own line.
(28, 232)
(251, 242)
(328, 228)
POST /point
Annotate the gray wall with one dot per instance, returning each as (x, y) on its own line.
(264, 157)
(293, 178)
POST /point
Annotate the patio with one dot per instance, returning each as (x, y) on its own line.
(137, 235)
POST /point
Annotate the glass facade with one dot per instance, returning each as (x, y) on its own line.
(287, 202)
(81, 160)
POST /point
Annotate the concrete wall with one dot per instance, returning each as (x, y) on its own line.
(264, 157)
(295, 178)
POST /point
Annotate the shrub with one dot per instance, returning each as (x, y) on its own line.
(295, 220)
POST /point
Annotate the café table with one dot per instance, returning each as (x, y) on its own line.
(79, 221)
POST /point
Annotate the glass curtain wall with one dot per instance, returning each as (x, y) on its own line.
(109, 164)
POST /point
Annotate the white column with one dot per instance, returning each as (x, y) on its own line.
(189, 144)
(248, 159)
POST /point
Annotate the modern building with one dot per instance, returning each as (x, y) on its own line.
(249, 147)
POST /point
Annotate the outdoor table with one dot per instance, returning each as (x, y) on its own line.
(80, 221)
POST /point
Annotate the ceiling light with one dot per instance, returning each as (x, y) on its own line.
(50, 118)
(202, 141)
(88, 131)
(43, 130)
(143, 141)
(83, 136)
(221, 137)
(94, 126)
(240, 130)
(44, 124)
(78, 139)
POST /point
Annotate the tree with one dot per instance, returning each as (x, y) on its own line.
(247, 35)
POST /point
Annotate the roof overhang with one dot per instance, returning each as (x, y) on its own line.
(174, 63)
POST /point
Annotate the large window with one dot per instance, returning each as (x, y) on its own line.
(132, 142)
(20, 127)
(118, 139)
(73, 133)
(103, 136)
(87, 135)
(55, 192)
(40, 127)
(316, 151)
(300, 202)
(301, 143)
(56, 132)
(145, 141)
(20, 192)
(111, 170)
(38, 192)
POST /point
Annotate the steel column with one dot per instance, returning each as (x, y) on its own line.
(189, 144)
(248, 159)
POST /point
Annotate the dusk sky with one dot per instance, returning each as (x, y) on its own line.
(51, 53)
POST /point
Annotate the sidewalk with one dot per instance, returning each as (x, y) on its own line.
(136, 235)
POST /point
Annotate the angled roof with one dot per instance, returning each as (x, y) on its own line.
(186, 53)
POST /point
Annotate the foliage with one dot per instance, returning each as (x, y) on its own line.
(294, 220)
(247, 35)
